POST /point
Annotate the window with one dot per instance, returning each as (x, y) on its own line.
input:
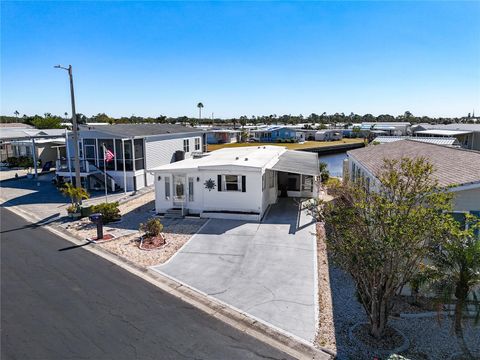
(139, 154)
(167, 188)
(197, 144)
(186, 145)
(307, 183)
(190, 188)
(231, 183)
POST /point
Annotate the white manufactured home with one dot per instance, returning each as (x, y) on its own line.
(235, 183)
(136, 147)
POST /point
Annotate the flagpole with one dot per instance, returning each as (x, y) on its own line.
(105, 171)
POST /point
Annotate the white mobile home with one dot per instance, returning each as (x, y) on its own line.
(136, 147)
(236, 183)
(328, 135)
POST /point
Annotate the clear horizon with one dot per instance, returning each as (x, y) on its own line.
(248, 58)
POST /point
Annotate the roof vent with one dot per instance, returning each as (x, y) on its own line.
(258, 147)
(264, 147)
(236, 158)
(246, 159)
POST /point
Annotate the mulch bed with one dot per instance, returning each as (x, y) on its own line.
(106, 237)
(392, 338)
(152, 243)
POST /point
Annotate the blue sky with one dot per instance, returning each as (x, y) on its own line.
(241, 58)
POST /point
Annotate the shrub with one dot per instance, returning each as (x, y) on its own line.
(110, 211)
(21, 161)
(72, 209)
(332, 182)
(153, 227)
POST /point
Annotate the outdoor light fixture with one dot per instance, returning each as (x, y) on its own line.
(159, 178)
(198, 179)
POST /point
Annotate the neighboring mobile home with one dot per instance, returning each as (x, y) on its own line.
(454, 168)
(328, 135)
(468, 135)
(136, 147)
(43, 146)
(223, 136)
(236, 183)
(278, 134)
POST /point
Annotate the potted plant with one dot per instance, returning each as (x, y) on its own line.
(76, 195)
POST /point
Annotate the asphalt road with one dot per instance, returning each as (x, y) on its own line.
(72, 304)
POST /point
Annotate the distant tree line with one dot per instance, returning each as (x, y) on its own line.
(55, 121)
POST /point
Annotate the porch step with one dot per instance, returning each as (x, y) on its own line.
(174, 214)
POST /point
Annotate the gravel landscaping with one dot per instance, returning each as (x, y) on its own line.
(429, 338)
(126, 244)
(176, 231)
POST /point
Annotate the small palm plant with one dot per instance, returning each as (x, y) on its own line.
(455, 271)
(76, 195)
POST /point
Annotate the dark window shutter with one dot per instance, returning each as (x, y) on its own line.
(244, 183)
(219, 178)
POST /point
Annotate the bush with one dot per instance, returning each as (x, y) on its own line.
(109, 211)
(153, 227)
(21, 161)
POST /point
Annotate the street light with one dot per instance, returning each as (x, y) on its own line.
(76, 158)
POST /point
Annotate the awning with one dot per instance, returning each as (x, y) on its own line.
(298, 162)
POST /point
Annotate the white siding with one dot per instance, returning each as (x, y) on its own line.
(161, 151)
(214, 200)
(467, 200)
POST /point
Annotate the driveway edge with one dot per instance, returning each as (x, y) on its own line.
(223, 312)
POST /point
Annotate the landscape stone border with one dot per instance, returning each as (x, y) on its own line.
(140, 245)
(405, 345)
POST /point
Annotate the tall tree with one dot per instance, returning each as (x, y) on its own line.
(200, 107)
(49, 122)
(16, 113)
(380, 232)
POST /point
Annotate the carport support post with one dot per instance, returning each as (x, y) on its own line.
(34, 155)
(124, 169)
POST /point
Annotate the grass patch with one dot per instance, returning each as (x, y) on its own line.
(290, 146)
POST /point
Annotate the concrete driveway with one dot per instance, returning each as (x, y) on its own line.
(266, 269)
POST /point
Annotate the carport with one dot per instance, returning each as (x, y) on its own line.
(297, 174)
(33, 139)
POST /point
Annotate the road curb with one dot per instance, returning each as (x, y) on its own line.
(227, 314)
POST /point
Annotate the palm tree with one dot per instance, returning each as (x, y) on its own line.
(16, 113)
(199, 106)
(76, 194)
(456, 271)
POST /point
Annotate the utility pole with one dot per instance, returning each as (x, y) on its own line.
(76, 158)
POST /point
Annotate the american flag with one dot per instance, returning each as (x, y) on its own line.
(109, 156)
